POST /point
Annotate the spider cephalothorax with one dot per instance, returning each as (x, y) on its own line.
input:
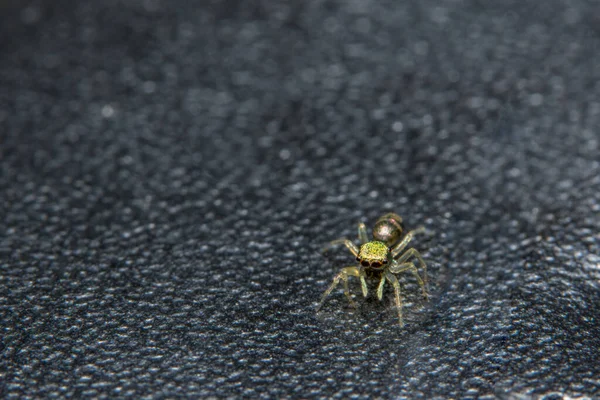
(373, 254)
(381, 258)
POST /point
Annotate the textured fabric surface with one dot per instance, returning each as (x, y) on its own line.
(170, 172)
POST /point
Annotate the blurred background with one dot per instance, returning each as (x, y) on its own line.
(171, 170)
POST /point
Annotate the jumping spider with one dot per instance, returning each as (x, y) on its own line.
(380, 258)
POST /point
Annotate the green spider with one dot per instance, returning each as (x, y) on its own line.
(380, 259)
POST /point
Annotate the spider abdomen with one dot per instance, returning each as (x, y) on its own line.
(388, 229)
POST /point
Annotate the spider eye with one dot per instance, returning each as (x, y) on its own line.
(365, 263)
(385, 261)
(357, 259)
(376, 264)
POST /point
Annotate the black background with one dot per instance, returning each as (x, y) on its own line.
(171, 169)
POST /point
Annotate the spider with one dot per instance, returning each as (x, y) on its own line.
(380, 258)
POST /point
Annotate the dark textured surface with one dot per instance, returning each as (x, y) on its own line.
(170, 172)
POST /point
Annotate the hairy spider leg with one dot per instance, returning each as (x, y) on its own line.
(397, 268)
(394, 281)
(414, 253)
(380, 288)
(351, 246)
(343, 275)
(362, 233)
(397, 249)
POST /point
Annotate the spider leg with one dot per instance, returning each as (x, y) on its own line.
(380, 288)
(396, 268)
(397, 249)
(351, 246)
(343, 276)
(362, 233)
(414, 253)
(363, 282)
(394, 281)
